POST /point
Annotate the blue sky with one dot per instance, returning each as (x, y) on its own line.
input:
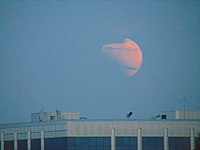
(51, 58)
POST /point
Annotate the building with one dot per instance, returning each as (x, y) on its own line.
(67, 131)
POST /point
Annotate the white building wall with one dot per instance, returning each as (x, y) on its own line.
(123, 128)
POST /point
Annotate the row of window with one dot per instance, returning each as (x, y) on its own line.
(36, 128)
(101, 143)
(35, 135)
(79, 143)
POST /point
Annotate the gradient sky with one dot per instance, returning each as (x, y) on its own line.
(51, 57)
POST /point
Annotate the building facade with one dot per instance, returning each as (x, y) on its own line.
(109, 134)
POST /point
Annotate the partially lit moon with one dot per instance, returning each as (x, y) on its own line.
(127, 53)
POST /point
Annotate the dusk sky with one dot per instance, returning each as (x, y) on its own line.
(51, 57)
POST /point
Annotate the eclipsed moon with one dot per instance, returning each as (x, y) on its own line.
(127, 53)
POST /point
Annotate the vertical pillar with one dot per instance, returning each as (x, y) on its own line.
(192, 139)
(139, 139)
(166, 142)
(2, 141)
(15, 141)
(42, 140)
(113, 142)
(29, 140)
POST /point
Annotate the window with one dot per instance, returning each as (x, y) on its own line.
(126, 143)
(163, 116)
(9, 145)
(35, 144)
(152, 143)
(52, 118)
(70, 142)
(22, 144)
(100, 141)
(78, 143)
(179, 143)
(55, 143)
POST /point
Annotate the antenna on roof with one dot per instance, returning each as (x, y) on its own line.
(184, 107)
(129, 114)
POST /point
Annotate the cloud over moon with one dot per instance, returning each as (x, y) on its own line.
(127, 53)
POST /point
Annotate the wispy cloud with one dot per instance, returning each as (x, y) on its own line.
(127, 53)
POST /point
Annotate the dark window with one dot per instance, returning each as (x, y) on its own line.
(84, 143)
(52, 118)
(22, 144)
(70, 148)
(88, 143)
(197, 142)
(35, 144)
(152, 143)
(55, 143)
(9, 145)
(70, 142)
(179, 143)
(107, 143)
(78, 143)
(100, 142)
(93, 142)
(126, 143)
(163, 116)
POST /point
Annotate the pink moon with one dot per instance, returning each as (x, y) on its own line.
(127, 53)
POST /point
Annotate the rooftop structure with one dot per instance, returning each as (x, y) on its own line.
(179, 115)
(52, 116)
